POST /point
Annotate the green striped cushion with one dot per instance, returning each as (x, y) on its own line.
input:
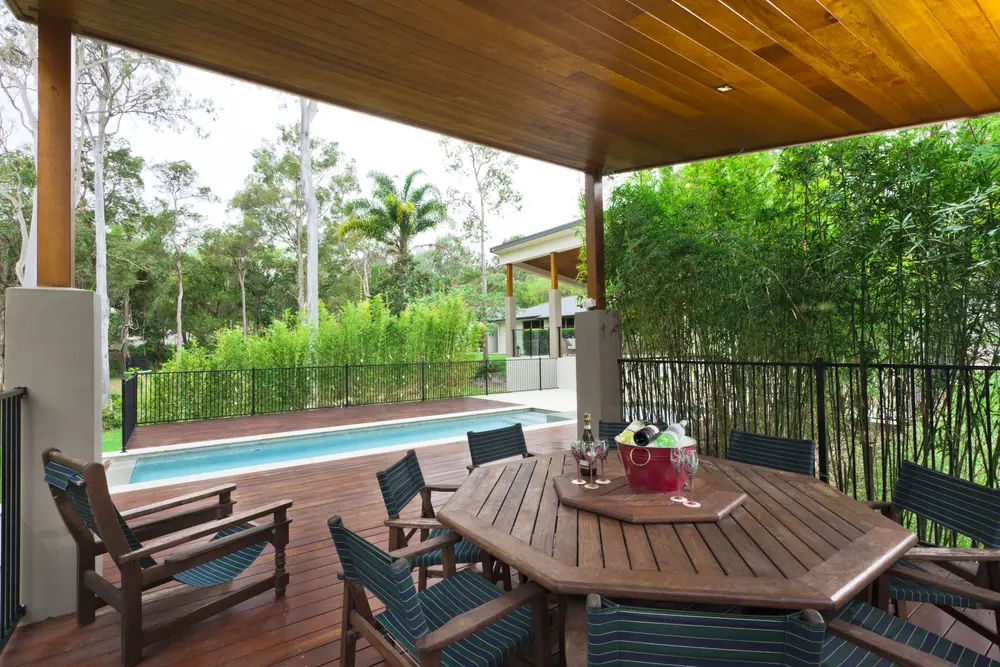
(839, 653)
(633, 637)
(489, 647)
(962, 506)
(773, 452)
(500, 443)
(218, 571)
(906, 589)
(465, 551)
(400, 483)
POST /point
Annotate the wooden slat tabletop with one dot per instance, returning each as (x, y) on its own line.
(793, 543)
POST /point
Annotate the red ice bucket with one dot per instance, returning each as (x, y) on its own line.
(650, 468)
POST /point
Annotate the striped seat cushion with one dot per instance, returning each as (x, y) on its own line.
(905, 589)
(400, 483)
(219, 571)
(500, 443)
(623, 636)
(773, 452)
(465, 551)
(489, 647)
(839, 653)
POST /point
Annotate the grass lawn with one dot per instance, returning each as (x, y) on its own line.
(111, 441)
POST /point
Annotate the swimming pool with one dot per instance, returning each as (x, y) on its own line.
(217, 458)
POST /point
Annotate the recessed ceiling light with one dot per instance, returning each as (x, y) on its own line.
(724, 88)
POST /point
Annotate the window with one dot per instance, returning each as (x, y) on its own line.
(568, 321)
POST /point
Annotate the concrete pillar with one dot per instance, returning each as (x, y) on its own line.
(52, 349)
(555, 322)
(598, 348)
(510, 322)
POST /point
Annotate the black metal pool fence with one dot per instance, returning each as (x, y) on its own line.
(865, 419)
(159, 398)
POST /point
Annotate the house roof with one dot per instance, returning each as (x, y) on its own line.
(521, 240)
(541, 311)
(601, 86)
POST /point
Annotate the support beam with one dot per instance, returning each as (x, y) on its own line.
(510, 280)
(554, 269)
(594, 203)
(510, 314)
(555, 307)
(55, 150)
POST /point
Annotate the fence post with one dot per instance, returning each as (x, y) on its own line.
(819, 364)
(253, 391)
(487, 375)
(423, 383)
(347, 385)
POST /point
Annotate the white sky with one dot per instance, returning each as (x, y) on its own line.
(247, 114)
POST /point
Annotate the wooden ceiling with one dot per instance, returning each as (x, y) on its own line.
(609, 85)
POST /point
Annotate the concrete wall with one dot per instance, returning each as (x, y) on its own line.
(53, 349)
(567, 372)
(598, 348)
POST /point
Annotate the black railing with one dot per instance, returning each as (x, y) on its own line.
(158, 398)
(11, 609)
(865, 419)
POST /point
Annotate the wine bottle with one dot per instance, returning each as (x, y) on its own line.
(646, 435)
(588, 432)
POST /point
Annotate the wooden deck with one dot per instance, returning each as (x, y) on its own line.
(302, 629)
(157, 435)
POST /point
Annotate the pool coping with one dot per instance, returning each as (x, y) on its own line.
(121, 464)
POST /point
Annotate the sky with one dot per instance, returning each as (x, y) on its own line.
(247, 114)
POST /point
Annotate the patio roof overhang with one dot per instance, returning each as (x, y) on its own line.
(600, 86)
(535, 252)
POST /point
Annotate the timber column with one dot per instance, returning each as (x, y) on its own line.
(555, 308)
(53, 341)
(598, 331)
(510, 313)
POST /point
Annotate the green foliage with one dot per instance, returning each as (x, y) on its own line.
(111, 415)
(877, 248)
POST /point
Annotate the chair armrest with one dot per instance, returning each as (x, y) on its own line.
(952, 554)
(222, 544)
(954, 586)
(476, 619)
(444, 487)
(185, 536)
(171, 503)
(421, 523)
(420, 548)
(901, 654)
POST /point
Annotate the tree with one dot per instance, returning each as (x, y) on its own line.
(178, 181)
(395, 213)
(240, 245)
(114, 84)
(272, 194)
(491, 175)
(312, 213)
(17, 184)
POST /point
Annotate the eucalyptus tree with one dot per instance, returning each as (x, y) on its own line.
(178, 182)
(309, 109)
(240, 245)
(17, 184)
(490, 175)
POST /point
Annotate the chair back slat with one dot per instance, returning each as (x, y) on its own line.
(609, 430)
(388, 578)
(622, 636)
(400, 483)
(957, 504)
(771, 451)
(500, 443)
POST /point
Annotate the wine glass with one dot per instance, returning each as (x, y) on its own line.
(691, 468)
(602, 456)
(590, 452)
(677, 462)
(576, 448)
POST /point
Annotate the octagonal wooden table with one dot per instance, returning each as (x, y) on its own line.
(794, 542)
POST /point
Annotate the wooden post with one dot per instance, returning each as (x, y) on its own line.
(510, 280)
(55, 149)
(594, 202)
(554, 270)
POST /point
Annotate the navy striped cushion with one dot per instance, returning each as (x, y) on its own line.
(465, 551)
(608, 430)
(218, 571)
(772, 451)
(839, 653)
(400, 483)
(633, 636)
(965, 507)
(489, 647)
(906, 589)
(500, 443)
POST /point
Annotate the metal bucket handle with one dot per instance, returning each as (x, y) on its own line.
(631, 457)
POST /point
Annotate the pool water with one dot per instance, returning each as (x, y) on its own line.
(225, 457)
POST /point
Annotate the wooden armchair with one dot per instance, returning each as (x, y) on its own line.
(500, 443)
(400, 484)
(80, 492)
(966, 509)
(462, 620)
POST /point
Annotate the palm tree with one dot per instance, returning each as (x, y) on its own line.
(395, 214)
